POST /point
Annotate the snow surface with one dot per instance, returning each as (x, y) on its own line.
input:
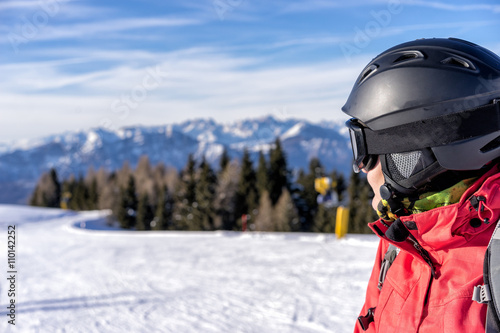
(75, 274)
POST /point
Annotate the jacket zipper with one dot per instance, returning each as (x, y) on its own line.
(425, 255)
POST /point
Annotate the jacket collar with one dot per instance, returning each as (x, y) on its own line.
(453, 225)
(477, 210)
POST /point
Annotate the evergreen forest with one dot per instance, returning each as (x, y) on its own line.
(237, 195)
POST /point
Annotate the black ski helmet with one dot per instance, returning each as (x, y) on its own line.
(426, 107)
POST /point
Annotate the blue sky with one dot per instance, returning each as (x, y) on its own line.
(72, 65)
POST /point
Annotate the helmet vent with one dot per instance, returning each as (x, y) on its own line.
(367, 72)
(491, 145)
(458, 62)
(409, 56)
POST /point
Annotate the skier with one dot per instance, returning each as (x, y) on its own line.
(426, 131)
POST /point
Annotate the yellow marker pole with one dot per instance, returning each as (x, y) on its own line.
(341, 222)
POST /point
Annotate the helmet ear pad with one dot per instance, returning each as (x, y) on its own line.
(410, 171)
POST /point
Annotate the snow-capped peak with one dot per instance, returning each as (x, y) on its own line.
(74, 152)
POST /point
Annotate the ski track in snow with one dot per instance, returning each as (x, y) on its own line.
(75, 279)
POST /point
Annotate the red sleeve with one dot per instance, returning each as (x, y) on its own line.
(372, 292)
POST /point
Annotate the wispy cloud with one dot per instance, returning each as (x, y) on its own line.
(317, 40)
(18, 4)
(397, 30)
(441, 26)
(317, 5)
(198, 83)
(68, 31)
(261, 57)
(453, 7)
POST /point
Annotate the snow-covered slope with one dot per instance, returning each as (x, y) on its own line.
(75, 274)
(22, 163)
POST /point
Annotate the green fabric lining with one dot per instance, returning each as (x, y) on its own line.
(429, 200)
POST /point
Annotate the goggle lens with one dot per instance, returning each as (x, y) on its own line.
(362, 160)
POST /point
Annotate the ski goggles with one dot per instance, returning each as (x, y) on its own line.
(417, 135)
(362, 160)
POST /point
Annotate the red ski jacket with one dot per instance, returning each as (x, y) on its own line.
(429, 286)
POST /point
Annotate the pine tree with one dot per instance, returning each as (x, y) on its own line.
(190, 181)
(67, 192)
(246, 194)
(308, 192)
(163, 215)
(286, 217)
(224, 161)
(264, 219)
(278, 173)
(109, 196)
(122, 175)
(144, 213)
(76, 196)
(303, 210)
(93, 195)
(54, 198)
(171, 179)
(341, 185)
(324, 219)
(127, 209)
(143, 175)
(185, 197)
(203, 211)
(33, 201)
(262, 174)
(47, 191)
(80, 195)
(225, 197)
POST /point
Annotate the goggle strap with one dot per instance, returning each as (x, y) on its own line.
(434, 132)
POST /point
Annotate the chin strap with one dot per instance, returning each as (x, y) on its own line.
(392, 203)
(384, 211)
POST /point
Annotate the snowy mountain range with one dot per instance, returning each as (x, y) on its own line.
(22, 163)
